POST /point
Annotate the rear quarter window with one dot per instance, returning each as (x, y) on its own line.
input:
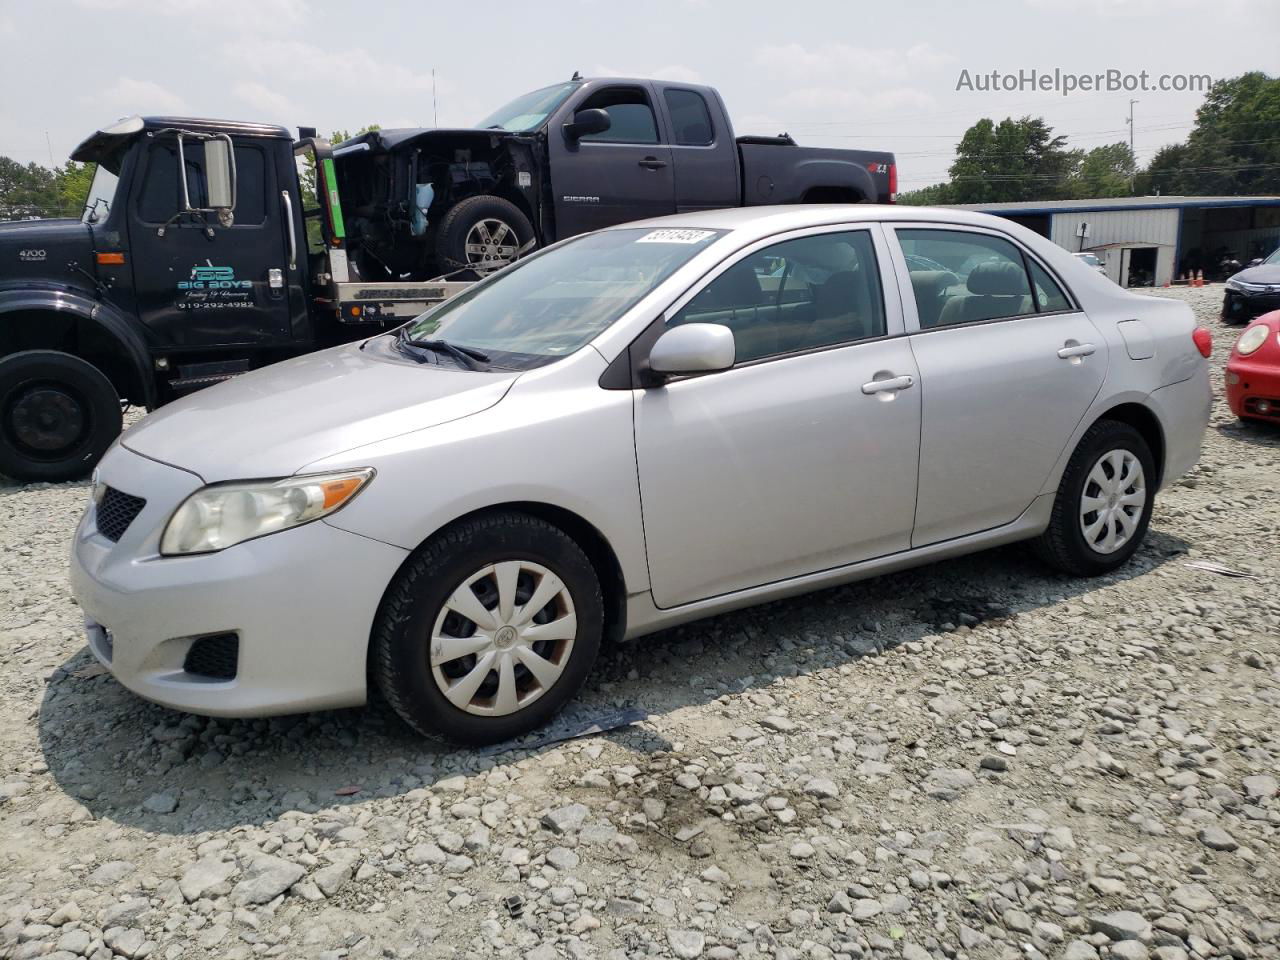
(690, 118)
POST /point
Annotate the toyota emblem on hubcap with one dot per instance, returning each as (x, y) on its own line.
(505, 637)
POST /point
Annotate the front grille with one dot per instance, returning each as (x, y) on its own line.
(216, 657)
(116, 511)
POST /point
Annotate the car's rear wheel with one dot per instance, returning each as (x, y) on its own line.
(58, 415)
(489, 630)
(1103, 505)
(482, 234)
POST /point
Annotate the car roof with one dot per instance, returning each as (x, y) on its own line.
(764, 221)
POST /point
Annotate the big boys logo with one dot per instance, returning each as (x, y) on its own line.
(210, 277)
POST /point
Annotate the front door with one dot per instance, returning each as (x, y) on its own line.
(622, 174)
(201, 284)
(800, 458)
(1008, 367)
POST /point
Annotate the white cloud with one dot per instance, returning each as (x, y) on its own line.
(850, 100)
(269, 104)
(843, 61)
(139, 96)
(229, 11)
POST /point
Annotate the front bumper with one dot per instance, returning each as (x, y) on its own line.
(1253, 389)
(1240, 307)
(300, 604)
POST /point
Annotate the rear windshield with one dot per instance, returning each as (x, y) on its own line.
(546, 307)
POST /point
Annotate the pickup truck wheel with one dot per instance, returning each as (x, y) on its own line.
(58, 415)
(482, 234)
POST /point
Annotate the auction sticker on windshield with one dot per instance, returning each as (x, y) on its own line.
(676, 236)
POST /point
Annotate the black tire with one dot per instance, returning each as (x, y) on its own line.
(58, 415)
(1063, 545)
(463, 217)
(400, 658)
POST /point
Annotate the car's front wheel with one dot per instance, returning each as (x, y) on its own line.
(489, 630)
(1103, 504)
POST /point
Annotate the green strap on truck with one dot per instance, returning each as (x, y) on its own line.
(331, 190)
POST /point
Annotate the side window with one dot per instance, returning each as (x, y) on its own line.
(630, 116)
(959, 277)
(161, 195)
(690, 119)
(795, 295)
(1049, 296)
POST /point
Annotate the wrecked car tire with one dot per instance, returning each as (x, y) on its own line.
(481, 233)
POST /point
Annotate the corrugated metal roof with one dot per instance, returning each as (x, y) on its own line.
(1099, 204)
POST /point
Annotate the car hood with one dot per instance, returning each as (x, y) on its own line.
(1262, 273)
(274, 421)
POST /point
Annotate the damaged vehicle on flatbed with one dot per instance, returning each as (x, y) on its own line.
(208, 248)
(569, 158)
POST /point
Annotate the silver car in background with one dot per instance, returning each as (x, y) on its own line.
(629, 430)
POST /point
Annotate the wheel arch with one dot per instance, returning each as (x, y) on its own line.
(584, 533)
(72, 323)
(1142, 419)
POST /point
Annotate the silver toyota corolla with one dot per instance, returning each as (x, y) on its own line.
(629, 430)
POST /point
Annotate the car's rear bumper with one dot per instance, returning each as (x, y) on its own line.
(288, 614)
(1253, 390)
(1183, 410)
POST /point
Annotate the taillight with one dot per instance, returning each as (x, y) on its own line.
(893, 182)
(1203, 340)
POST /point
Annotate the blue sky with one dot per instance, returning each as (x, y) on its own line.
(834, 72)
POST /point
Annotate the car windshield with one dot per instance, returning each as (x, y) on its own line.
(1275, 256)
(546, 307)
(102, 193)
(529, 111)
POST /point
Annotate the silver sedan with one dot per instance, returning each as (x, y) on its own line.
(629, 430)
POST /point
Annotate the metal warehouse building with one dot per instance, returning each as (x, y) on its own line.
(1145, 241)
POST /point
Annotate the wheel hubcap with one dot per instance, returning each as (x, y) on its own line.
(503, 638)
(46, 419)
(1114, 497)
(490, 244)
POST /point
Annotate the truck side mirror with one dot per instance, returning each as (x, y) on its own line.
(220, 174)
(587, 122)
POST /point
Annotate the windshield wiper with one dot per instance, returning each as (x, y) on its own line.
(465, 356)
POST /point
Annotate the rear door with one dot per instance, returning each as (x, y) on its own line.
(801, 457)
(613, 177)
(200, 283)
(1008, 367)
(703, 150)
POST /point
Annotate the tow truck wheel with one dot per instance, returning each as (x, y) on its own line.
(58, 415)
(482, 234)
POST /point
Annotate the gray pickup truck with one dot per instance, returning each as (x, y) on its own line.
(569, 158)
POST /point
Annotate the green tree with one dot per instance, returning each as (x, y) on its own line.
(1234, 147)
(28, 190)
(1010, 160)
(73, 182)
(1104, 171)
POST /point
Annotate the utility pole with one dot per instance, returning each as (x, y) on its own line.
(1133, 157)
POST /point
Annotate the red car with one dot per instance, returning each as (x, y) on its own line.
(1253, 372)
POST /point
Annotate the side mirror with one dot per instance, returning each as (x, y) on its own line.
(693, 348)
(219, 171)
(587, 122)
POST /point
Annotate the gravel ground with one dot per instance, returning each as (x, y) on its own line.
(974, 759)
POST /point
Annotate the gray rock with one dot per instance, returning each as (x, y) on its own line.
(1260, 787)
(1017, 921)
(947, 784)
(1195, 897)
(1121, 925)
(1215, 838)
(562, 858)
(686, 944)
(127, 942)
(1079, 950)
(207, 875)
(161, 803)
(820, 787)
(865, 908)
(266, 878)
(566, 819)
(1130, 950)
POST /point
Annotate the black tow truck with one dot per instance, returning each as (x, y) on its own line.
(207, 248)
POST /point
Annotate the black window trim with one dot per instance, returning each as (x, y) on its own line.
(1028, 257)
(629, 370)
(715, 131)
(149, 155)
(647, 93)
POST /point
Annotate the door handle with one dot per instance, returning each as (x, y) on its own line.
(288, 219)
(1071, 350)
(891, 385)
(653, 163)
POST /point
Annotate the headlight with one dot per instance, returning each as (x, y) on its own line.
(225, 514)
(1234, 284)
(1252, 339)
